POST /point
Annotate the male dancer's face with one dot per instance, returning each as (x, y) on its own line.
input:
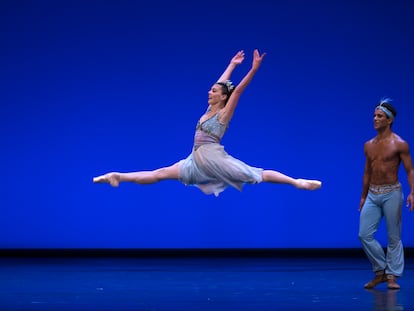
(381, 120)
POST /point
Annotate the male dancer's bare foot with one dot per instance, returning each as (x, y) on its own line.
(308, 184)
(111, 178)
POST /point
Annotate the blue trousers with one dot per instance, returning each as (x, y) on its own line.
(387, 206)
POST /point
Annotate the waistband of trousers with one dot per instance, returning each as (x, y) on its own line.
(381, 189)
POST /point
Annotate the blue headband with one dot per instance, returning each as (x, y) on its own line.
(386, 111)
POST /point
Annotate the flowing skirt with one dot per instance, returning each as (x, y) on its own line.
(212, 170)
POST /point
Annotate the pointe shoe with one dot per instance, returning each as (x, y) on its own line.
(99, 179)
(308, 184)
(111, 178)
(392, 282)
(378, 279)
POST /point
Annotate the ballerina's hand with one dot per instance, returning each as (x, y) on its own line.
(257, 58)
(238, 58)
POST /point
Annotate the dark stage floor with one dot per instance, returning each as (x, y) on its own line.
(196, 283)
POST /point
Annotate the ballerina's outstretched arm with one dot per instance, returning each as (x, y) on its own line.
(235, 61)
(230, 107)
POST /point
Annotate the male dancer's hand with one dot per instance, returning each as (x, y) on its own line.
(361, 204)
(410, 202)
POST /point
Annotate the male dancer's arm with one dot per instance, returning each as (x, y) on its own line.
(408, 165)
(366, 179)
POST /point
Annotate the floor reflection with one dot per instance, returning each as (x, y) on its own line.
(386, 300)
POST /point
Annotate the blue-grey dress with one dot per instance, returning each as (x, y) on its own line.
(209, 167)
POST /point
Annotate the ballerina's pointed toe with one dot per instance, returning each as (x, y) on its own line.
(110, 178)
(99, 179)
(316, 184)
(307, 184)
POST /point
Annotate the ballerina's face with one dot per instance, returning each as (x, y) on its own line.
(215, 95)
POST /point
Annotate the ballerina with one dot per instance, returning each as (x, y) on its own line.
(209, 167)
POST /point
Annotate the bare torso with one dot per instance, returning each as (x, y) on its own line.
(384, 158)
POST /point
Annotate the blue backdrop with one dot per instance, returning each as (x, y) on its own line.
(89, 87)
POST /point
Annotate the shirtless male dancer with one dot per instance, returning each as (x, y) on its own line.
(382, 197)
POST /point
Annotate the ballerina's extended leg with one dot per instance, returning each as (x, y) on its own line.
(300, 183)
(141, 177)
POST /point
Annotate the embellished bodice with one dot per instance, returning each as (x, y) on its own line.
(209, 131)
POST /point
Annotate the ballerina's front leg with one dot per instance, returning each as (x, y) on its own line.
(141, 177)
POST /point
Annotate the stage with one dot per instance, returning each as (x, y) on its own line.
(201, 282)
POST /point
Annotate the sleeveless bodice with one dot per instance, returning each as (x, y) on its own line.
(209, 131)
(209, 167)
